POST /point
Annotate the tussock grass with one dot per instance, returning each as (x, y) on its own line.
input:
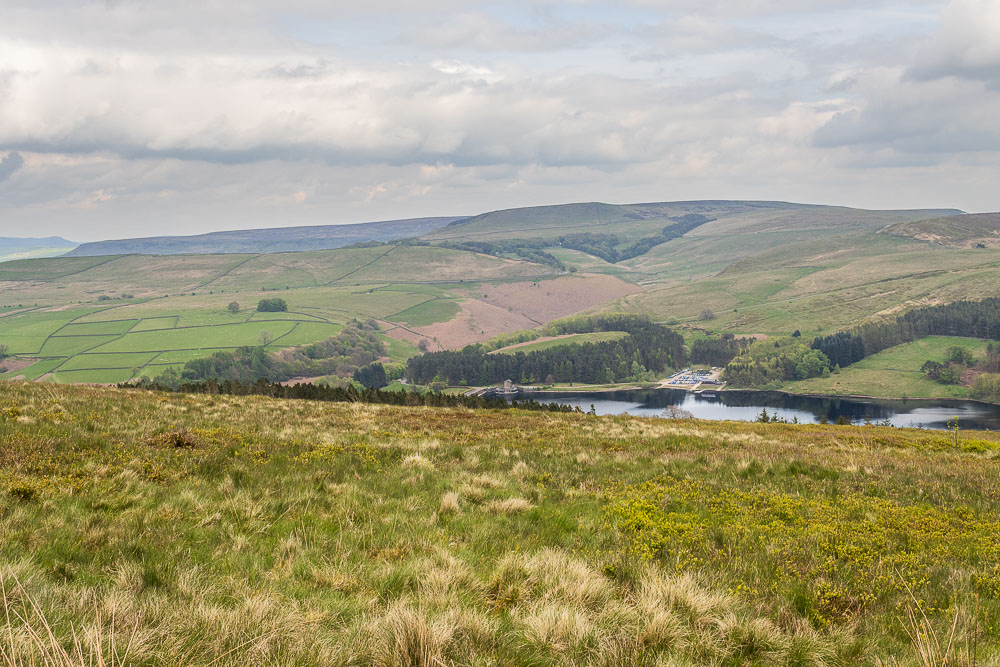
(450, 504)
(317, 534)
(508, 506)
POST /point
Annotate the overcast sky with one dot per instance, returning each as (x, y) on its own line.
(138, 117)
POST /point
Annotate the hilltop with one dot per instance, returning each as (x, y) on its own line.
(273, 240)
(229, 530)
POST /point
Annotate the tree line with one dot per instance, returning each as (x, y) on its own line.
(976, 319)
(648, 347)
(346, 394)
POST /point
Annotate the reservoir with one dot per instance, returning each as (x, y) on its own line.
(747, 406)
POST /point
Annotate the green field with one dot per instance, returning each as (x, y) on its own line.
(895, 372)
(108, 361)
(430, 311)
(559, 341)
(231, 531)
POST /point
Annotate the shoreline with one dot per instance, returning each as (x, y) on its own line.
(632, 387)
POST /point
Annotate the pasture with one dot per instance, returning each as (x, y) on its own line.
(895, 373)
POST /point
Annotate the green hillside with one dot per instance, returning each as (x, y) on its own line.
(896, 372)
(163, 529)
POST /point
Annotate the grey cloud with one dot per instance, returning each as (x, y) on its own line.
(9, 165)
(938, 117)
(966, 46)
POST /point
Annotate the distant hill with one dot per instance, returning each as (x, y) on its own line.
(632, 222)
(279, 239)
(26, 248)
(958, 231)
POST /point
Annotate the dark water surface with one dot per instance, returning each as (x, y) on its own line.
(747, 405)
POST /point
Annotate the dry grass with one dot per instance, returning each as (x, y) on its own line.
(508, 506)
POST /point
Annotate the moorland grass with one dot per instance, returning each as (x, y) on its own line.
(193, 530)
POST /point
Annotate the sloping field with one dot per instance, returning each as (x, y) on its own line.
(548, 342)
(58, 280)
(960, 231)
(818, 284)
(475, 321)
(233, 531)
(545, 300)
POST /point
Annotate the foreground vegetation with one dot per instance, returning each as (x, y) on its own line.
(171, 529)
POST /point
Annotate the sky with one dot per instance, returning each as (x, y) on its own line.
(125, 118)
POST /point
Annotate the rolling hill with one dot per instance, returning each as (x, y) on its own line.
(635, 221)
(279, 239)
(756, 267)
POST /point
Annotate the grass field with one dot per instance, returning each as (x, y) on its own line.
(559, 341)
(896, 372)
(430, 311)
(197, 530)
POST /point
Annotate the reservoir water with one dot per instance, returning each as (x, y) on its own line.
(747, 406)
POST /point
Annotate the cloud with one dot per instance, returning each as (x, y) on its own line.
(9, 165)
(966, 47)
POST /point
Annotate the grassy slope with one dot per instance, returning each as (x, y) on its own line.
(822, 283)
(895, 372)
(307, 533)
(571, 339)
